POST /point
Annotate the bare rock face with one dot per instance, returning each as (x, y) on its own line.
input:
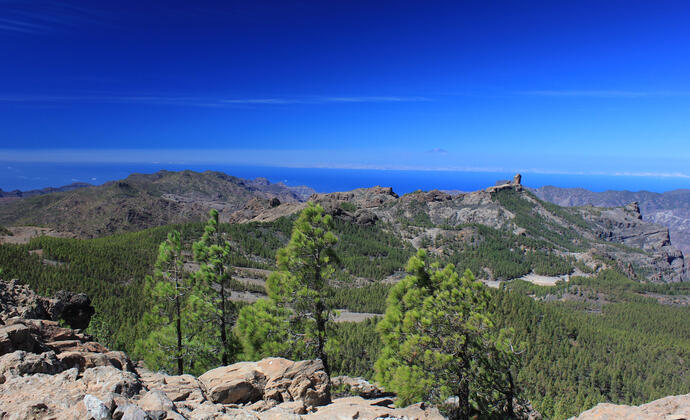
(668, 408)
(625, 225)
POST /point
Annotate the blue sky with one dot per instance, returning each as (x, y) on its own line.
(551, 87)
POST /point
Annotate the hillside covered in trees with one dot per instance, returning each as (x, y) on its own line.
(611, 327)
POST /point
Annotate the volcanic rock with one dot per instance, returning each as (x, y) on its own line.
(668, 408)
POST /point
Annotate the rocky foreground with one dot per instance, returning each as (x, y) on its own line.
(51, 372)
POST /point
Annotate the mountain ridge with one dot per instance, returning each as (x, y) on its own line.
(525, 235)
(670, 208)
(146, 200)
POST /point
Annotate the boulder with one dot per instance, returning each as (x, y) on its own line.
(102, 380)
(308, 382)
(131, 412)
(95, 408)
(238, 383)
(158, 406)
(178, 388)
(305, 381)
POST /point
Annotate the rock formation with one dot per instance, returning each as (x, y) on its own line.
(668, 408)
(17, 300)
(51, 372)
(504, 185)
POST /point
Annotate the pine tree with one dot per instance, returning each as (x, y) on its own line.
(440, 343)
(175, 320)
(299, 292)
(214, 252)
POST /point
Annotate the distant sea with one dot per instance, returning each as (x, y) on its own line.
(28, 176)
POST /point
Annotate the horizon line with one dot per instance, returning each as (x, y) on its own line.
(261, 158)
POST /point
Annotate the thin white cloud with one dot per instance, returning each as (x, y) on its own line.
(265, 101)
(16, 25)
(376, 99)
(604, 93)
(44, 16)
(201, 101)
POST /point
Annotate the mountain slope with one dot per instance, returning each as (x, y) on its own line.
(671, 208)
(500, 233)
(508, 232)
(141, 201)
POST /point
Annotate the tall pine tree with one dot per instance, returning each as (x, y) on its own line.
(175, 321)
(213, 252)
(299, 293)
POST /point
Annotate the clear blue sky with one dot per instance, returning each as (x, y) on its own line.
(552, 86)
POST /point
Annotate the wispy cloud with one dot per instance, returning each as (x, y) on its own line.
(17, 25)
(203, 101)
(604, 93)
(44, 16)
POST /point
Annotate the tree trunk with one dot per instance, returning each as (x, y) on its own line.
(321, 336)
(179, 334)
(223, 335)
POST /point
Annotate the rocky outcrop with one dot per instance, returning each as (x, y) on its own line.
(515, 184)
(668, 408)
(17, 300)
(38, 382)
(51, 372)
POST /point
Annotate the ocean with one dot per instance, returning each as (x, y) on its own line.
(27, 176)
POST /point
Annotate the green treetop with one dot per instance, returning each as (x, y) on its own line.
(299, 293)
(440, 344)
(213, 252)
